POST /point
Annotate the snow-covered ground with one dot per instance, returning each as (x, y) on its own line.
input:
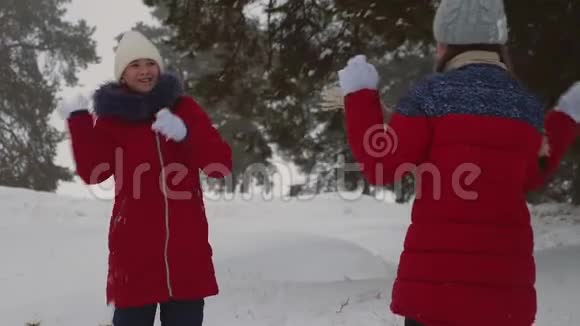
(325, 261)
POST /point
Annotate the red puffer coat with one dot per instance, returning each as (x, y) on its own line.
(158, 236)
(473, 135)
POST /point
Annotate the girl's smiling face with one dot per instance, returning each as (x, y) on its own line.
(141, 75)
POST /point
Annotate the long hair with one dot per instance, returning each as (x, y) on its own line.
(454, 50)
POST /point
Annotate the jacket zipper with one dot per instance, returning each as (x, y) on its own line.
(166, 258)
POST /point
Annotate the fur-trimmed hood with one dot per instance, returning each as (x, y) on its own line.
(115, 100)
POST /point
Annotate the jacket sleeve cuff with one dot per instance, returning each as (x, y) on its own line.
(78, 113)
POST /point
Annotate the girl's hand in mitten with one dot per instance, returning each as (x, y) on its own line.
(169, 125)
(79, 102)
(358, 75)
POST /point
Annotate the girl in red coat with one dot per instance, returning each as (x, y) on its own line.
(153, 140)
(472, 134)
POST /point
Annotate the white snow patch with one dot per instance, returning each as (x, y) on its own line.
(317, 262)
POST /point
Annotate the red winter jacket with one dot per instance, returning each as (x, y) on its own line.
(473, 135)
(158, 234)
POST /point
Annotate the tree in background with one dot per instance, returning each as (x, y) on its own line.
(277, 64)
(545, 52)
(274, 68)
(39, 52)
(204, 75)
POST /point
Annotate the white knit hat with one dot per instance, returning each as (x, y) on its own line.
(471, 22)
(134, 46)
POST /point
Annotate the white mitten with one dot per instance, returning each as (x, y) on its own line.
(357, 75)
(570, 102)
(71, 104)
(169, 125)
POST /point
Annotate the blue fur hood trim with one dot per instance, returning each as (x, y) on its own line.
(115, 100)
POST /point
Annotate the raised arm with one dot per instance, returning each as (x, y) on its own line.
(384, 151)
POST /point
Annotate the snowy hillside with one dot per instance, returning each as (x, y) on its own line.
(321, 262)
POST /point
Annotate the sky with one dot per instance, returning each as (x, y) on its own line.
(111, 18)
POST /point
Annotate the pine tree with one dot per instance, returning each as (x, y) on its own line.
(39, 52)
(279, 66)
(207, 72)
